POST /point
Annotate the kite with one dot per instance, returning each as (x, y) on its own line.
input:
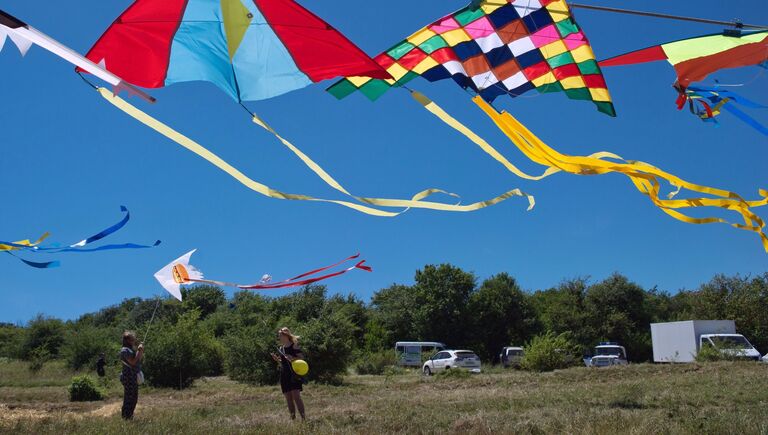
(180, 272)
(79, 247)
(694, 59)
(495, 48)
(252, 50)
(645, 177)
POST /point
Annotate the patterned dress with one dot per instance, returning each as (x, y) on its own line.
(130, 385)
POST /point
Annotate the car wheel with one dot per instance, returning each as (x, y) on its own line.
(427, 371)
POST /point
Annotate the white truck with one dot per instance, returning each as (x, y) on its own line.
(680, 342)
(607, 354)
(410, 353)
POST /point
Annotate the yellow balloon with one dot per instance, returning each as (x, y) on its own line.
(300, 367)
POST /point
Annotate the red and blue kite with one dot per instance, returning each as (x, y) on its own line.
(251, 49)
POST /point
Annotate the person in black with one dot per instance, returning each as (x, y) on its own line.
(100, 364)
(131, 360)
(290, 383)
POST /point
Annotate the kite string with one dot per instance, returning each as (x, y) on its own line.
(149, 326)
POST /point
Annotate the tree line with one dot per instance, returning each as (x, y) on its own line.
(209, 334)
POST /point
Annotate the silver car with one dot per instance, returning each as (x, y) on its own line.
(452, 359)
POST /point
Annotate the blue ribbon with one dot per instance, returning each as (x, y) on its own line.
(80, 246)
(716, 95)
(48, 265)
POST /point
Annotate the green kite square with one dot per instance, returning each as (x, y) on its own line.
(342, 89)
(401, 50)
(433, 44)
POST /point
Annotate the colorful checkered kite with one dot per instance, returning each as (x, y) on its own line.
(496, 47)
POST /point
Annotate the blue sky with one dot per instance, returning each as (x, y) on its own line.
(69, 160)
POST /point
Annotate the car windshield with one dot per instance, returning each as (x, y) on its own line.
(465, 355)
(603, 351)
(515, 352)
(736, 342)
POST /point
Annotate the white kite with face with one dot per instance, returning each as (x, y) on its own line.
(178, 273)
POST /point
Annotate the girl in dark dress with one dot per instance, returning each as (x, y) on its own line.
(290, 383)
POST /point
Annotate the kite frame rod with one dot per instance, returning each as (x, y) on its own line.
(734, 23)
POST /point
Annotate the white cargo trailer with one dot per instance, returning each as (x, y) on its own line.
(680, 341)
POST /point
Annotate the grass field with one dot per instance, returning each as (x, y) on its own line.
(716, 398)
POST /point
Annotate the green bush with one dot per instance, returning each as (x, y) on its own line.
(82, 347)
(328, 342)
(84, 389)
(37, 359)
(248, 355)
(550, 352)
(11, 339)
(375, 363)
(179, 354)
(43, 333)
(712, 354)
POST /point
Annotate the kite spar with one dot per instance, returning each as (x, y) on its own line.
(24, 36)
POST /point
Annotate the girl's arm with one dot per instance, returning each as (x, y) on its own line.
(134, 361)
(299, 355)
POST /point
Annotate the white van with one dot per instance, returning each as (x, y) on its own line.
(409, 353)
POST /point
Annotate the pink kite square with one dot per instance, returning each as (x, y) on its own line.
(444, 25)
(575, 40)
(546, 36)
(480, 28)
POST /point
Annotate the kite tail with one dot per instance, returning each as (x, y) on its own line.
(367, 205)
(291, 284)
(645, 177)
(452, 122)
(714, 100)
(22, 244)
(36, 265)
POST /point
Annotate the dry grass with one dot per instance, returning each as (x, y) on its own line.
(639, 399)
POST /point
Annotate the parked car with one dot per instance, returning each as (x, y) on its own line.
(511, 356)
(607, 354)
(452, 360)
(409, 353)
(680, 342)
(765, 358)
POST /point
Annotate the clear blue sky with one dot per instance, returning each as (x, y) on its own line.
(69, 160)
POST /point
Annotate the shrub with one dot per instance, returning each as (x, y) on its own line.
(11, 339)
(179, 354)
(248, 358)
(206, 299)
(84, 389)
(328, 343)
(712, 354)
(37, 359)
(43, 333)
(550, 352)
(83, 346)
(375, 363)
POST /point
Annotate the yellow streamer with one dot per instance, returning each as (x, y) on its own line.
(452, 122)
(25, 243)
(416, 202)
(644, 176)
